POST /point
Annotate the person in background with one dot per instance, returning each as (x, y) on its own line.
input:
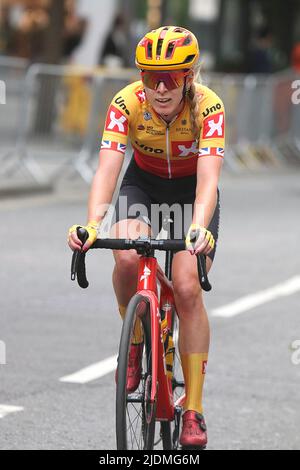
(5, 29)
(114, 51)
(260, 54)
(75, 27)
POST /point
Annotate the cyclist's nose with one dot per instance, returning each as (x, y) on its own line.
(161, 87)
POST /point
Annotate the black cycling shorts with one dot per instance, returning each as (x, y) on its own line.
(155, 201)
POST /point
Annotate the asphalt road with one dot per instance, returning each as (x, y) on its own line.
(51, 328)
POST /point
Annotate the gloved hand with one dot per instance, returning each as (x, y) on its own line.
(204, 243)
(75, 243)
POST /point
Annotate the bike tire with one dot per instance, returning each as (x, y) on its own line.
(166, 435)
(169, 430)
(135, 415)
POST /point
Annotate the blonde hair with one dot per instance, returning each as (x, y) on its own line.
(194, 102)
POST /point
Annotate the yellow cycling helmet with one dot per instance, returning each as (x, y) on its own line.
(167, 48)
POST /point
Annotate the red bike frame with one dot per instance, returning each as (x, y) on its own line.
(148, 274)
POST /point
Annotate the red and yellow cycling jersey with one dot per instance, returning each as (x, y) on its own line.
(166, 150)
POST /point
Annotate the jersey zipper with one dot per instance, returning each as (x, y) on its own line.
(168, 151)
(168, 145)
(168, 141)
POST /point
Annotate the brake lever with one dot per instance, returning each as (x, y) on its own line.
(201, 264)
(78, 261)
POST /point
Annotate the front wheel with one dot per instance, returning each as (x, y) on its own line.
(170, 430)
(135, 414)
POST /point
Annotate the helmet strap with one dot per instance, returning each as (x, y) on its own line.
(185, 90)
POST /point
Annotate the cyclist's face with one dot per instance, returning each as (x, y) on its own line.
(166, 102)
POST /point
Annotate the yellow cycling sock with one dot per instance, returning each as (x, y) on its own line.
(138, 330)
(194, 367)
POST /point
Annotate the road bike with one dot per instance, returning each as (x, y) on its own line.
(157, 399)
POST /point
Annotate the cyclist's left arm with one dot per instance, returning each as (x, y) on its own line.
(210, 161)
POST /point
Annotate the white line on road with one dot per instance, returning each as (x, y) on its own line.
(7, 409)
(254, 300)
(92, 372)
(102, 368)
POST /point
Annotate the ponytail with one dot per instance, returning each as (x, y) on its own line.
(194, 104)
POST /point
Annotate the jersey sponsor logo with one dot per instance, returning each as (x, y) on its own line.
(141, 96)
(147, 116)
(204, 367)
(116, 121)
(214, 126)
(121, 103)
(152, 131)
(217, 151)
(184, 130)
(141, 127)
(185, 148)
(109, 145)
(212, 109)
(146, 148)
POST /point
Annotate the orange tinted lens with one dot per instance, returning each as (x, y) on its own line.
(171, 80)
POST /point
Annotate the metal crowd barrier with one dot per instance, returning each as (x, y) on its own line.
(262, 121)
(12, 73)
(60, 120)
(55, 115)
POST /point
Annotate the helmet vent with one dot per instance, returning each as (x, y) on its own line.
(178, 30)
(149, 50)
(170, 50)
(189, 59)
(187, 41)
(159, 46)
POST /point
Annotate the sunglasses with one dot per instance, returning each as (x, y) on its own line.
(171, 80)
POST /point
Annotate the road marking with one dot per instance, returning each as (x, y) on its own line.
(7, 409)
(102, 368)
(92, 372)
(254, 300)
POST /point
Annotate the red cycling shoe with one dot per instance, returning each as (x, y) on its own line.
(134, 370)
(193, 434)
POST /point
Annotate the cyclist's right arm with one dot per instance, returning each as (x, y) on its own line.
(114, 141)
(101, 194)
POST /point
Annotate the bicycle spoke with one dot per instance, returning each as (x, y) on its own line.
(133, 432)
(134, 423)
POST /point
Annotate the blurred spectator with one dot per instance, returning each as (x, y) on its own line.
(261, 52)
(114, 53)
(75, 28)
(29, 34)
(26, 35)
(265, 57)
(5, 29)
(295, 59)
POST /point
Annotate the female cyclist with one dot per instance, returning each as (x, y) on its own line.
(176, 128)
